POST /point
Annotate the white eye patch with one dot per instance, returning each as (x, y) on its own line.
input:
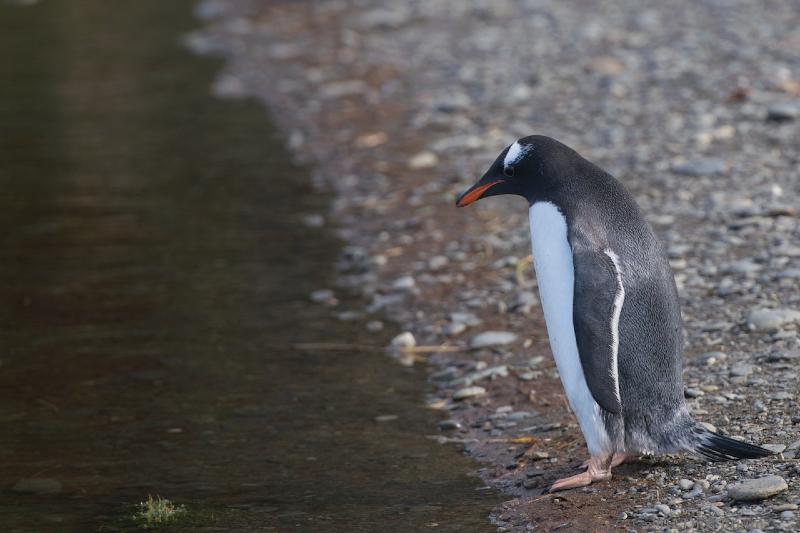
(516, 152)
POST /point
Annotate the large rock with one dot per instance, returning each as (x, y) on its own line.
(757, 489)
(768, 319)
(492, 338)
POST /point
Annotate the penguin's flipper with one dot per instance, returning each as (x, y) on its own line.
(595, 315)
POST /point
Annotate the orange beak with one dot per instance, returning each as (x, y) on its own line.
(474, 194)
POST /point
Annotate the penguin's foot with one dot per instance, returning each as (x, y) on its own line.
(599, 469)
(616, 460)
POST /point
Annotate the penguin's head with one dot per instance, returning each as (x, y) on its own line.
(527, 168)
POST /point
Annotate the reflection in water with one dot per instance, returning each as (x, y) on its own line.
(153, 275)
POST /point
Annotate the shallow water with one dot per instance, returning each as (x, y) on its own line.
(154, 273)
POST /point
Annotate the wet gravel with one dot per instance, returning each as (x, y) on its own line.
(693, 106)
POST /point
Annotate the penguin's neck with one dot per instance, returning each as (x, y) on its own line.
(555, 274)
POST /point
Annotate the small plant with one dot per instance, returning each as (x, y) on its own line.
(157, 511)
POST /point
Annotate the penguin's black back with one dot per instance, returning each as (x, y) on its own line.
(602, 215)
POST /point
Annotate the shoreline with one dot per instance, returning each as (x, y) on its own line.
(396, 113)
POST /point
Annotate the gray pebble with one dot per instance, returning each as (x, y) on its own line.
(701, 167)
(404, 283)
(314, 221)
(757, 489)
(454, 328)
(404, 340)
(322, 296)
(785, 507)
(423, 160)
(664, 509)
(741, 370)
(467, 318)
(770, 319)
(783, 112)
(468, 392)
(448, 425)
(492, 338)
(438, 262)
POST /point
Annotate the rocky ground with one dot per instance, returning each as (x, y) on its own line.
(695, 106)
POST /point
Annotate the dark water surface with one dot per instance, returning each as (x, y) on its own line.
(154, 272)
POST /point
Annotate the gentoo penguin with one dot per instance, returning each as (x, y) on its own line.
(611, 308)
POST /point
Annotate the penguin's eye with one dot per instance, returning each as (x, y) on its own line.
(508, 170)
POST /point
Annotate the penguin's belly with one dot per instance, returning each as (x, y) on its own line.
(555, 275)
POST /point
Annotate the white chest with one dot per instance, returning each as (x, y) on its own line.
(555, 275)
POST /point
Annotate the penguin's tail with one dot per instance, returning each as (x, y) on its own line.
(716, 447)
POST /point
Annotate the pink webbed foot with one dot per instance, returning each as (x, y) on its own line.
(599, 469)
(617, 459)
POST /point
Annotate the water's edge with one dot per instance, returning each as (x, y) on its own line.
(154, 276)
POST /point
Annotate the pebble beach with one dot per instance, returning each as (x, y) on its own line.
(694, 107)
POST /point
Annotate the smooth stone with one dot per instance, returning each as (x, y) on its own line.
(782, 395)
(438, 262)
(423, 160)
(491, 372)
(787, 515)
(404, 283)
(492, 338)
(709, 426)
(775, 357)
(706, 166)
(454, 328)
(741, 370)
(467, 318)
(524, 302)
(373, 326)
(711, 358)
(743, 267)
(468, 392)
(386, 418)
(664, 509)
(537, 455)
(776, 448)
(449, 425)
(694, 493)
(321, 296)
(693, 393)
(685, 484)
(535, 361)
(37, 486)
(783, 112)
(404, 340)
(768, 319)
(785, 507)
(314, 221)
(757, 489)
(531, 483)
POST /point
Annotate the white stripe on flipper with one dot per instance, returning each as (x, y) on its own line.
(515, 152)
(619, 300)
(555, 273)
